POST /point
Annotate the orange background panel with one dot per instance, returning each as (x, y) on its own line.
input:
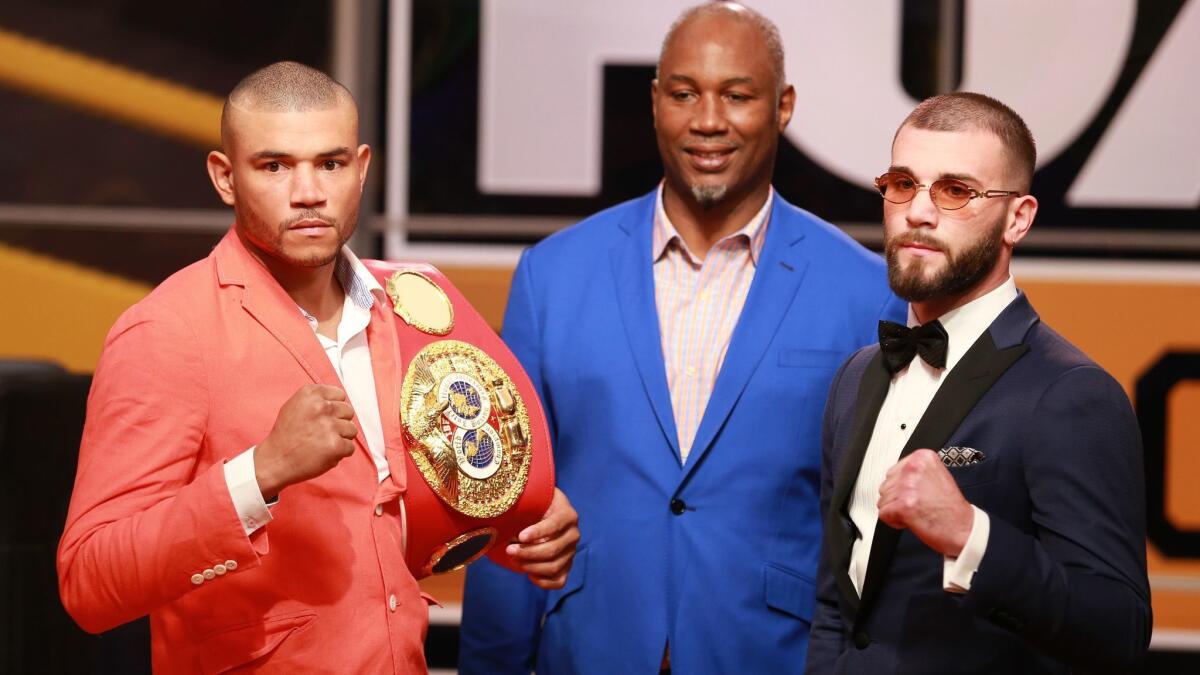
(1183, 455)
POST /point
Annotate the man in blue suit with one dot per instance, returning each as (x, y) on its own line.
(683, 344)
(982, 479)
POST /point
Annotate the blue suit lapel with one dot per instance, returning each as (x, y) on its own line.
(633, 276)
(780, 269)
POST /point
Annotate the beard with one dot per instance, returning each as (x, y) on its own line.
(963, 269)
(269, 237)
(708, 196)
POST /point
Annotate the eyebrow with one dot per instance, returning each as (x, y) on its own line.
(964, 177)
(279, 154)
(724, 83)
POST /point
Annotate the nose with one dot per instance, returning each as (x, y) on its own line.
(921, 211)
(306, 188)
(709, 119)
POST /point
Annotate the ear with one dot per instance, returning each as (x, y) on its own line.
(654, 100)
(1021, 214)
(220, 171)
(787, 103)
(364, 160)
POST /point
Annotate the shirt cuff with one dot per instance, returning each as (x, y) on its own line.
(243, 488)
(958, 572)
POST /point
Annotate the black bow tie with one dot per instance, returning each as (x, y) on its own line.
(899, 344)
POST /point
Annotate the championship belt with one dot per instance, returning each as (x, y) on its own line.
(474, 430)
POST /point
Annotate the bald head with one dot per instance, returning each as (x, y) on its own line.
(286, 86)
(739, 12)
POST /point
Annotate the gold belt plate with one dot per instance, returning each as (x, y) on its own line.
(421, 302)
(468, 428)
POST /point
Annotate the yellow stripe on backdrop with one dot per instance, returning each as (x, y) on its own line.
(109, 90)
(59, 311)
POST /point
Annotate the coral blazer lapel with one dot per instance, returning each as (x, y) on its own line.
(266, 301)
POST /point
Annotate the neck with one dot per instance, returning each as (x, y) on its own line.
(936, 308)
(702, 227)
(313, 289)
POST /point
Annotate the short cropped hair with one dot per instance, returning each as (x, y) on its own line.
(283, 86)
(964, 110)
(770, 33)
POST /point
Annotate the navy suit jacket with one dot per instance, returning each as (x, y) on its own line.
(717, 554)
(1062, 584)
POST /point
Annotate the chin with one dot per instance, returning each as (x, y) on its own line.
(708, 196)
(311, 258)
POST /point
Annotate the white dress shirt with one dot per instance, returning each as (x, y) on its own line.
(908, 396)
(351, 359)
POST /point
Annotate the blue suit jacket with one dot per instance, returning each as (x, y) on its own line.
(727, 574)
(1062, 584)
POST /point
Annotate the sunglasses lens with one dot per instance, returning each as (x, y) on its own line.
(897, 188)
(950, 194)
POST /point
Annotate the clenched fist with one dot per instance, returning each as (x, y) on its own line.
(919, 494)
(313, 432)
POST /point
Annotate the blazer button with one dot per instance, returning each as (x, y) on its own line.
(197, 579)
(861, 640)
(677, 506)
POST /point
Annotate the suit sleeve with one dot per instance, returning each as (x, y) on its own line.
(502, 610)
(145, 516)
(825, 641)
(1076, 586)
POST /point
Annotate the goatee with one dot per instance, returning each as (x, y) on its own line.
(708, 196)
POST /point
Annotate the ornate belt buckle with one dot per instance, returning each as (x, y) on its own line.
(468, 426)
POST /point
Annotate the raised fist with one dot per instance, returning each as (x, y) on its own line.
(313, 432)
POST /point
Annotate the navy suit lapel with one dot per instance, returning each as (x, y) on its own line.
(984, 363)
(780, 269)
(633, 276)
(839, 529)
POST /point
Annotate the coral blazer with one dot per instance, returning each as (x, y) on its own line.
(191, 376)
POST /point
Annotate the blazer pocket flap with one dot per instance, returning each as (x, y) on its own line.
(810, 358)
(575, 580)
(789, 592)
(237, 646)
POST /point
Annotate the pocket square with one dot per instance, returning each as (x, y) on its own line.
(956, 456)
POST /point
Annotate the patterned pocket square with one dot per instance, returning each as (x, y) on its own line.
(956, 456)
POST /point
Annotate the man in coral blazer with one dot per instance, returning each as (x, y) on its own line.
(263, 374)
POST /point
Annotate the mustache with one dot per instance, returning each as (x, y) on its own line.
(914, 237)
(308, 214)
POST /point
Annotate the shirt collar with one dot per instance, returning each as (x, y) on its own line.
(356, 280)
(965, 324)
(753, 232)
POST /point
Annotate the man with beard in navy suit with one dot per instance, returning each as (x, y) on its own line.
(982, 478)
